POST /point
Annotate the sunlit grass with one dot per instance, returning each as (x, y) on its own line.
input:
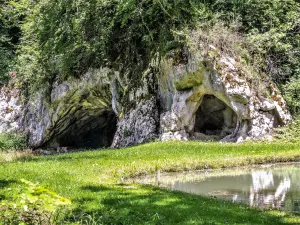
(94, 182)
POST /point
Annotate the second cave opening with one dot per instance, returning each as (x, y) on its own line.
(214, 119)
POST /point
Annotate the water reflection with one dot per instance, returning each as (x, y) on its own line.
(277, 186)
(263, 191)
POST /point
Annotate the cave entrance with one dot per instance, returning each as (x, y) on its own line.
(90, 130)
(214, 119)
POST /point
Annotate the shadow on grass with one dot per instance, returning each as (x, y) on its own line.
(97, 154)
(150, 205)
(6, 183)
(95, 188)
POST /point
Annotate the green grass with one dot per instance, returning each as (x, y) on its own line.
(92, 180)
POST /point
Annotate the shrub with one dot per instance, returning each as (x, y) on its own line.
(272, 28)
(63, 38)
(13, 141)
(292, 95)
(9, 37)
(290, 133)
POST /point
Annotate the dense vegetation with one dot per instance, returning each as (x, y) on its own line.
(95, 182)
(12, 141)
(63, 38)
(9, 38)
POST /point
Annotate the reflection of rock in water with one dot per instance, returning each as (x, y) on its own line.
(281, 191)
(275, 187)
(260, 191)
(262, 180)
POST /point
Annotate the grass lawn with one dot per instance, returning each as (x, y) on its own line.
(92, 180)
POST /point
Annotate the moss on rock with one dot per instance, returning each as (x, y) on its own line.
(190, 79)
(75, 110)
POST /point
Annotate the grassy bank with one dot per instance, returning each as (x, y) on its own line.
(93, 181)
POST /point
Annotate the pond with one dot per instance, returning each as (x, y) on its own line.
(268, 186)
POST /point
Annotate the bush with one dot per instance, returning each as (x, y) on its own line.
(272, 28)
(292, 95)
(9, 37)
(63, 38)
(290, 133)
(13, 141)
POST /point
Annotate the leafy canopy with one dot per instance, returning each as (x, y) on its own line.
(63, 38)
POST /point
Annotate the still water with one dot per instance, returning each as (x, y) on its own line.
(269, 186)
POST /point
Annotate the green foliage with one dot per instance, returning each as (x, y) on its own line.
(274, 34)
(290, 133)
(5, 60)
(65, 38)
(272, 28)
(13, 141)
(292, 95)
(9, 38)
(33, 204)
(5, 47)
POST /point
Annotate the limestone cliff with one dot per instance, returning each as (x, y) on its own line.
(213, 101)
(195, 98)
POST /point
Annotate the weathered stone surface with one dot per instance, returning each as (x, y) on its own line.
(197, 99)
(177, 135)
(11, 109)
(255, 116)
(36, 120)
(267, 105)
(261, 125)
(139, 125)
(77, 107)
(169, 122)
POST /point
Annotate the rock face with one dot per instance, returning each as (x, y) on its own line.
(79, 114)
(138, 126)
(213, 102)
(194, 99)
(140, 123)
(11, 109)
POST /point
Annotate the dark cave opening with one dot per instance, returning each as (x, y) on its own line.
(90, 130)
(214, 118)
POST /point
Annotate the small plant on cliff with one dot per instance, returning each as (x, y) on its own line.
(290, 133)
(292, 95)
(13, 141)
